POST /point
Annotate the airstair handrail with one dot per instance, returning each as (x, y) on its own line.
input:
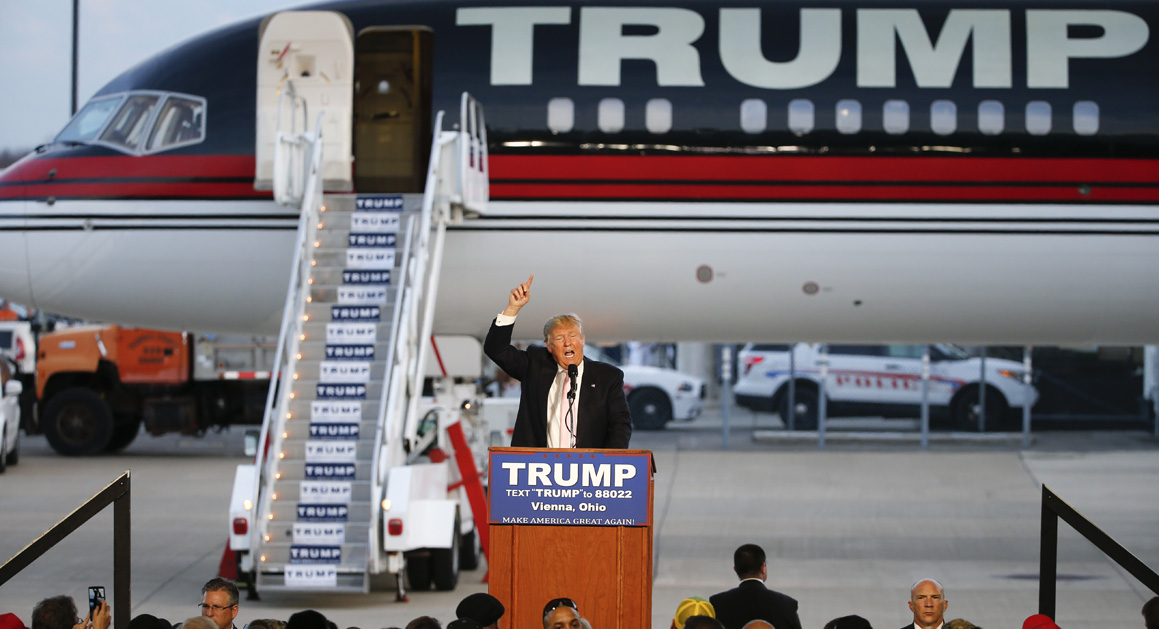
(281, 378)
(405, 305)
(1054, 509)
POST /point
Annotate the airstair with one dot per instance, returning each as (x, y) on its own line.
(344, 485)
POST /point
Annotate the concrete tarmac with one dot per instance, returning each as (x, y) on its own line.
(847, 529)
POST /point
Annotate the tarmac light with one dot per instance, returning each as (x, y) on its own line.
(386, 504)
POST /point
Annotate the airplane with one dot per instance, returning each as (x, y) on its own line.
(845, 171)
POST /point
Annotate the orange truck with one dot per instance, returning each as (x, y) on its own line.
(97, 385)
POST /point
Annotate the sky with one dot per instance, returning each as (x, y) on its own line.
(36, 51)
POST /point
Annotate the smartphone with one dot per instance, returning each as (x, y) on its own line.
(96, 594)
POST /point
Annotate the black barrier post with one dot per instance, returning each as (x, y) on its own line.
(1054, 508)
(115, 493)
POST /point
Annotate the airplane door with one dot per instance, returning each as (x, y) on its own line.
(392, 109)
(305, 70)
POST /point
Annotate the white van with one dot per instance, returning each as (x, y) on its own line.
(880, 380)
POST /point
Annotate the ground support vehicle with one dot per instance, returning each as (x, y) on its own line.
(97, 385)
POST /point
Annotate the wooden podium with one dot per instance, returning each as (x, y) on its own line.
(572, 523)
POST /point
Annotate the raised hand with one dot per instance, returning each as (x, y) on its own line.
(519, 297)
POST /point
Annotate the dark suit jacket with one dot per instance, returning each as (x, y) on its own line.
(602, 419)
(750, 601)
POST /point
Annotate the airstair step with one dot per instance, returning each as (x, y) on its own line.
(315, 350)
(358, 259)
(283, 532)
(293, 469)
(287, 511)
(348, 313)
(341, 276)
(348, 579)
(313, 390)
(340, 411)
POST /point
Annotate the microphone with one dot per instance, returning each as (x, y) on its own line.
(572, 372)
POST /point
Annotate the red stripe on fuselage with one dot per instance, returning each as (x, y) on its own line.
(824, 178)
(643, 177)
(822, 169)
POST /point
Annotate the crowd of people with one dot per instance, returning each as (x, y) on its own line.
(750, 605)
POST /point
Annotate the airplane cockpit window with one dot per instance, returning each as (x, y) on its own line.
(85, 126)
(138, 122)
(129, 125)
(180, 121)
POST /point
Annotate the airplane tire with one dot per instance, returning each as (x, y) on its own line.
(650, 409)
(78, 422)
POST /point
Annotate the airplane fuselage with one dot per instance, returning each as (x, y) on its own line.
(678, 171)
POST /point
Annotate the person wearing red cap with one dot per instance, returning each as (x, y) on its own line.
(927, 600)
(1039, 621)
(10, 621)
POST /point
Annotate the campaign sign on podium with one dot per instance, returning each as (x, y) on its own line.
(570, 488)
(587, 511)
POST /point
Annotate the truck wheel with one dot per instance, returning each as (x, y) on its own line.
(418, 572)
(78, 422)
(650, 409)
(124, 432)
(469, 551)
(967, 411)
(445, 563)
(805, 399)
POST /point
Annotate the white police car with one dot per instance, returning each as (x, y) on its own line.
(880, 380)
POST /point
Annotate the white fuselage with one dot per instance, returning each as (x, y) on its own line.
(826, 272)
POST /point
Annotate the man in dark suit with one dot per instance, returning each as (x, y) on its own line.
(927, 600)
(549, 416)
(751, 600)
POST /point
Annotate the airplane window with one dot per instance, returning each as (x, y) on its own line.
(85, 125)
(180, 121)
(991, 117)
(1086, 117)
(658, 115)
(943, 117)
(560, 115)
(611, 115)
(1038, 117)
(128, 125)
(895, 117)
(848, 116)
(800, 116)
(754, 115)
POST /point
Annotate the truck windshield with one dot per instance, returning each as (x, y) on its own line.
(88, 122)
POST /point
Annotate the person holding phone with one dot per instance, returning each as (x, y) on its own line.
(59, 612)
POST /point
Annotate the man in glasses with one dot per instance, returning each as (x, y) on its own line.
(565, 400)
(561, 613)
(219, 602)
